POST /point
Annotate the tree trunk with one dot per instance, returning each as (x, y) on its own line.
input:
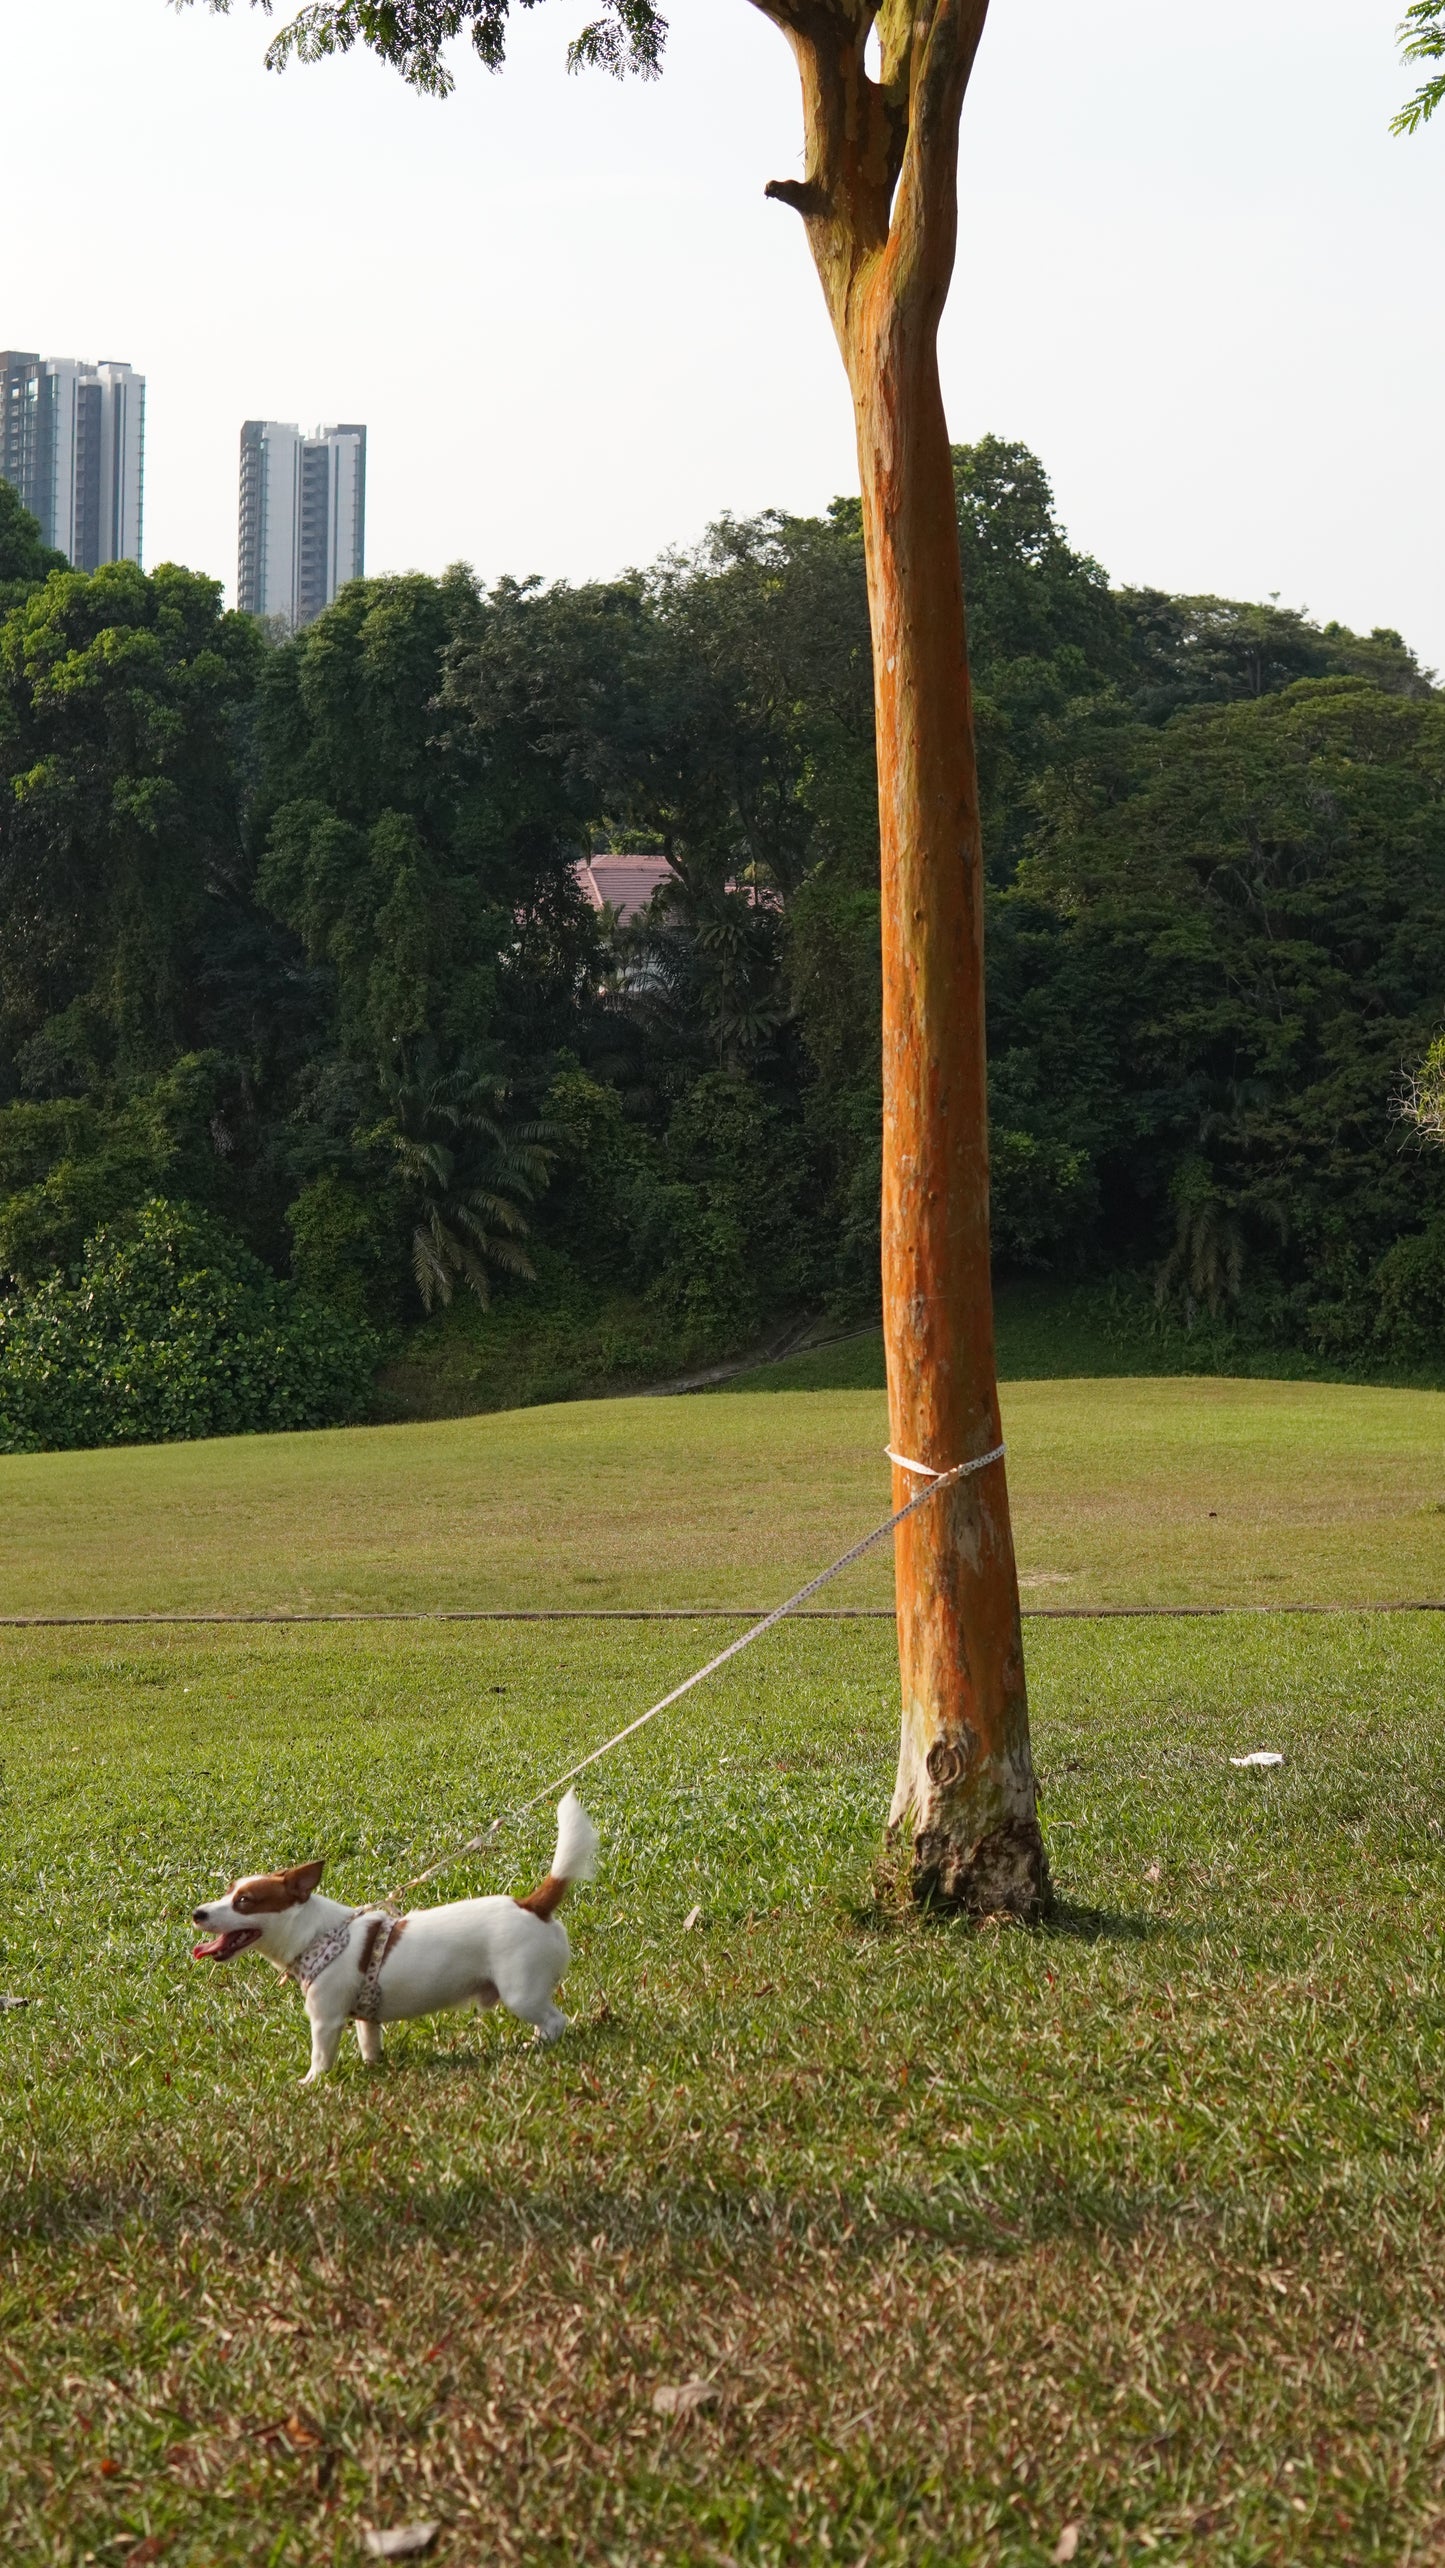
(965, 1779)
(880, 200)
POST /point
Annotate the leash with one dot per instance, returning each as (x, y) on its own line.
(934, 1482)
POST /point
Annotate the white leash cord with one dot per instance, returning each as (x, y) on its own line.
(936, 1480)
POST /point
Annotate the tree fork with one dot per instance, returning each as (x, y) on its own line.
(879, 201)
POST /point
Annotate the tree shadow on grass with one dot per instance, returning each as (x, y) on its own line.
(1017, 2202)
(885, 1909)
(1073, 1920)
(414, 2048)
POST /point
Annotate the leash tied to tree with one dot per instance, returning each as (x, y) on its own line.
(935, 1482)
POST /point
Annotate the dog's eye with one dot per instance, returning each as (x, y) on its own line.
(241, 1900)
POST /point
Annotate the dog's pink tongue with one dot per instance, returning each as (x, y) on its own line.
(209, 1952)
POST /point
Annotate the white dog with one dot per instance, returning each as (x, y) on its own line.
(365, 1965)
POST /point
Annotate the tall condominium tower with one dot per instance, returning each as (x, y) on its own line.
(303, 517)
(72, 441)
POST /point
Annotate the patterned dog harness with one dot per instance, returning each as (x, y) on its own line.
(383, 1934)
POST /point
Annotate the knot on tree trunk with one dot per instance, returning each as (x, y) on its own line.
(800, 193)
(1005, 1874)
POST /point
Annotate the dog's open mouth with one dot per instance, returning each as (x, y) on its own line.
(223, 1948)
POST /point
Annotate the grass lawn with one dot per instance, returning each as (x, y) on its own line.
(1133, 2223)
(1126, 1492)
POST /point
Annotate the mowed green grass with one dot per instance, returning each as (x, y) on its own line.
(1125, 1492)
(1132, 2224)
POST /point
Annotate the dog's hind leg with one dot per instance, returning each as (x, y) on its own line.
(368, 2042)
(535, 2007)
(525, 1987)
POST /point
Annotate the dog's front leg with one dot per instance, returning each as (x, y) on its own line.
(368, 2042)
(326, 2032)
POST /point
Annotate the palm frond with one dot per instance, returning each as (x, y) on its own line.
(473, 1212)
(433, 1281)
(463, 1167)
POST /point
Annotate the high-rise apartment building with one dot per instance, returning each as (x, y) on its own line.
(72, 442)
(303, 517)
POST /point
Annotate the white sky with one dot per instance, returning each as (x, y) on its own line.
(1196, 273)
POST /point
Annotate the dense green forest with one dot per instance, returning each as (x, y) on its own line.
(311, 1047)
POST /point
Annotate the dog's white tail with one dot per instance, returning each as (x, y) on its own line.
(576, 1856)
(574, 1860)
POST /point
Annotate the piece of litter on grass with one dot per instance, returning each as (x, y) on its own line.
(1259, 1756)
(682, 2398)
(1152, 1873)
(14, 2001)
(693, 1918)
(404, 2541)
(1067, 2544)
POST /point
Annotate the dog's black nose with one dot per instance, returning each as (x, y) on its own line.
(199, 1917)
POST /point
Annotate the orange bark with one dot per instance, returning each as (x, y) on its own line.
(879, 199)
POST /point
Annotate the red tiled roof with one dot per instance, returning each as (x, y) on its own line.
(624, 884)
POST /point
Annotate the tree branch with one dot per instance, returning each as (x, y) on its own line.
(854, 143)
(879, 191)
(924, 231)
(1422, 39)
(796, 192)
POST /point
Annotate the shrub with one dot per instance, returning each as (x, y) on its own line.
(603, 1174)
(712, 1221)
(71, 1164)
(173, 1330)
(1409, 1291)
(729, 1227)
(67, 1167)
(1044, 1200)
(344, 1251)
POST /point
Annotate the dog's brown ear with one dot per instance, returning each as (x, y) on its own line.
(301, 1880)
